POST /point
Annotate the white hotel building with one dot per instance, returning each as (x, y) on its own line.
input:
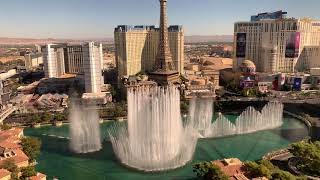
(276, 43)
(85, 61)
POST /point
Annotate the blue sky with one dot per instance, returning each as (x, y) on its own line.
(82, 19)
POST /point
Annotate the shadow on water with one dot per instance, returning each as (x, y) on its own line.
(292, 135)
(61, 146)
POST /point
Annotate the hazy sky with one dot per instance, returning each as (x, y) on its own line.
(83, 19)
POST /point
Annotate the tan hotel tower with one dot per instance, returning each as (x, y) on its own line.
(137, 47)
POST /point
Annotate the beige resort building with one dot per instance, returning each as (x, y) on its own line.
(276, 43)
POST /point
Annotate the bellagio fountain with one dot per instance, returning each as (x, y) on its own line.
(249, 121)
(84, 128)
(155, 139)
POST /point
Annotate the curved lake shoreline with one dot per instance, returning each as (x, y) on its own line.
(56, 160)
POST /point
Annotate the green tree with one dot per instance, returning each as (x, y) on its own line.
(254, 170)
(233, 86)
(283, 175)
(59, 117)
(5, 127)
(46, 117)
(208, 171)
(218, 106)
(118, 111)
(266, 169)
(66, 113)
(308, 154)
(250, 92)
(31, 147)
(35, 118)
(28, 172)
(113, 91)
(12, 167)
(268, 165)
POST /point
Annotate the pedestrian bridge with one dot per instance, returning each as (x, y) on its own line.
(4, 114)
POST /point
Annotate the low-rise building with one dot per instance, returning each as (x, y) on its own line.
(5, 92)
(233, 168)
(60, 85)
(197, 85)
(5, 174)
(315, 77)
(215, 63)
(29, 89)
(33, 60)
(264, 87)
(8, 74)
(38, 176)
(192, 67)
(10, 148)
(97, 98)
(51, 101)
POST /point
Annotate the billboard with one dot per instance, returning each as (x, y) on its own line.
(282, 79)
(275, 83)
(293, 45)
(297, 84)
(241, 45)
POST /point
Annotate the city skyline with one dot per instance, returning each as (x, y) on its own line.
(82, 19)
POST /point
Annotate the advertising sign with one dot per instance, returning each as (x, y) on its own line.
(282, 79)
(241, 45)
(275, 83)
(293, 45)
(297, 84)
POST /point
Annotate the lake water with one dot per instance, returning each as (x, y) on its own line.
(56, 160)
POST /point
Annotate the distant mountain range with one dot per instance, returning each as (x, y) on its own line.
(214, 38)
(29, 41)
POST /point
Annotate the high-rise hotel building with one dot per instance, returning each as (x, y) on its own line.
(85, 60)
(92, 66)
(137, 48)
(53, 60)
(276, 43)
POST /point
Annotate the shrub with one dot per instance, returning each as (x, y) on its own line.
(28, 172)
(254, 170)
(308, 154)
(31, 147)
(208, 171)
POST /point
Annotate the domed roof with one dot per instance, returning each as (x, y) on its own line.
(247, 66)
(247, 63)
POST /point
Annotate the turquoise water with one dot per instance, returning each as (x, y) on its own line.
(57, 161)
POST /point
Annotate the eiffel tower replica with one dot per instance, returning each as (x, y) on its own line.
(164, 72)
